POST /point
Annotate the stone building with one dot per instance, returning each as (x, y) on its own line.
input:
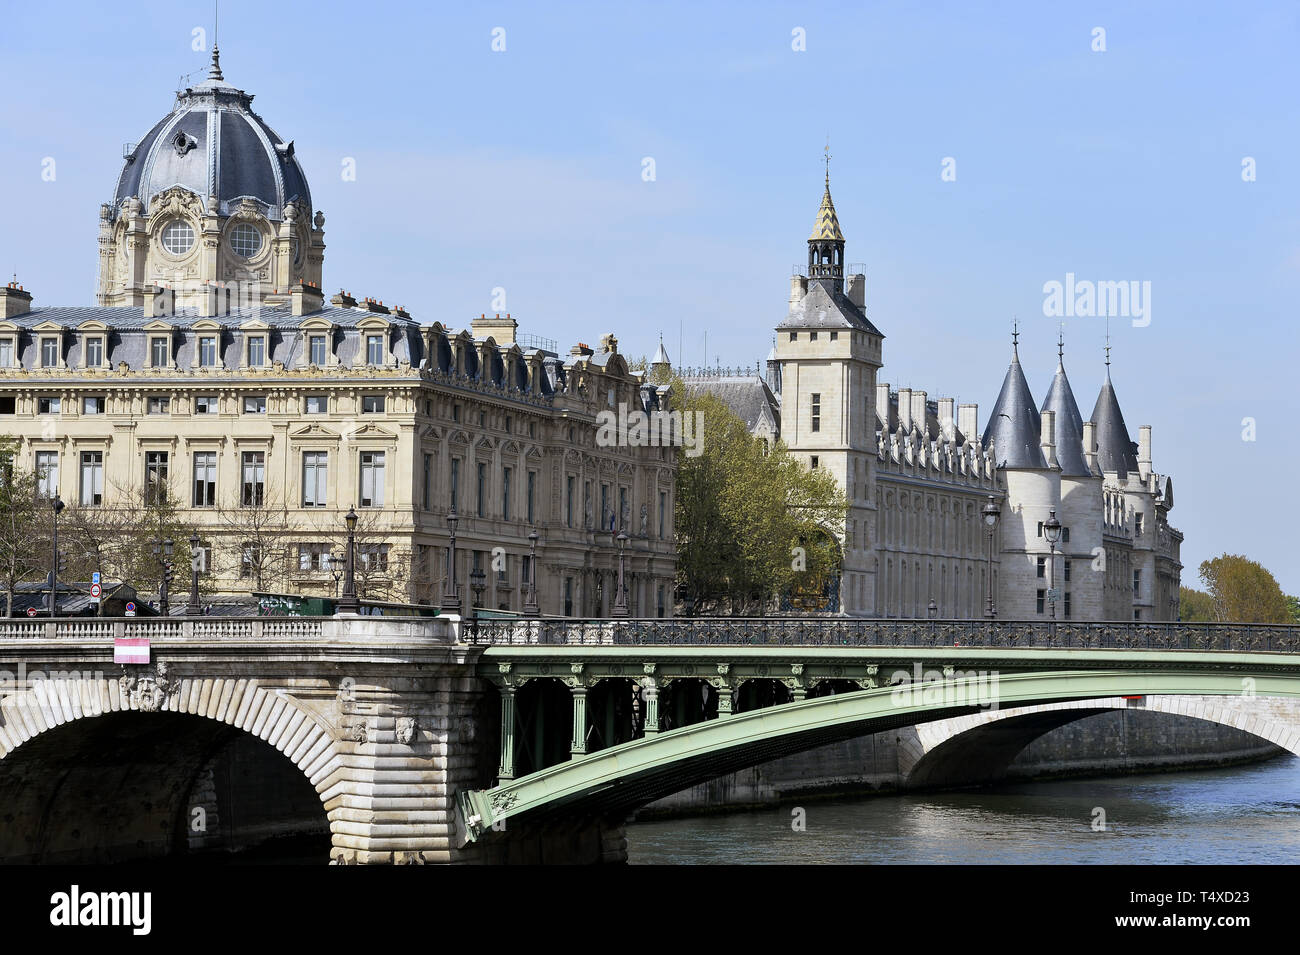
(215, 372)
(918, 473)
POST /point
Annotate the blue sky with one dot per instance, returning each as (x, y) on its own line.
(522, 169)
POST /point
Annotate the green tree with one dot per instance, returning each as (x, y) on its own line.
(751, 524)
(1195, 606)
(1293, 607)
(1243, 591)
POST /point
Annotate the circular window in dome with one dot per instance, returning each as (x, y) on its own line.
(178, 237)
(245, 240)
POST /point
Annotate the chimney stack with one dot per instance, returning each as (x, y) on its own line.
(1144, 451)
(1047, 439)
(500, 328)
(798, 289)
(882, 406)
(968, 421)
(1090, 446)
(905, 409)
(159, 302)
(305, 298)
(212, 300)
(947, 424)
(856, 290)
(918, 410)
(14, 301)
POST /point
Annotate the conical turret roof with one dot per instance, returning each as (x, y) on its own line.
(1069, 425)
(1115, 449)
(828, 224)
(1012, 431)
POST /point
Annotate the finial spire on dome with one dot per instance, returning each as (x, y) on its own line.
(1015, 338)
(827, 151)
(1107, 346)
(214, 71)
(1060, 343)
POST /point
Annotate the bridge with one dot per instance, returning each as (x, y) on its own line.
(421, 740)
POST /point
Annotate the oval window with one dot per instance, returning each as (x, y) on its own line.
(245, 240)
(178, 237)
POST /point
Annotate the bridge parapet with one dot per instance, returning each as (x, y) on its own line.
(218, 630)
(835, 632)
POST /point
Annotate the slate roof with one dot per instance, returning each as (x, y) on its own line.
(1012, 431)
(826, 306)
(1069, 425)
(827, 225)
(1116, 451)
(747, 395)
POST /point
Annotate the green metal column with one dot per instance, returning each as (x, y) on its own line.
(579, 744)
(506, 771)
(651, 696)
(724, 701)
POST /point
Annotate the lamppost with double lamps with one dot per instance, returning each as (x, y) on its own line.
(348, 603)
(194, 609)
(162, 552)
(991, 513)
(56, 506)
(1052, 531)
(620, 592)
(451, 592)
(530, 601)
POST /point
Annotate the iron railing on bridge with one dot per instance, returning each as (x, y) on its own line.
(805, 632)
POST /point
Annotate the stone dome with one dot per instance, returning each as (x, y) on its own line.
(213, 145)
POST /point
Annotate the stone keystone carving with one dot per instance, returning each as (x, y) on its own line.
(149, 690)
(405, 729)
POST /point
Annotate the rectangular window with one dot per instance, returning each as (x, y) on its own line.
(1137, 582)
(205, 479)
(568, 500)
(47, 473)
(93, 405)
(1042, 597)
(455, 480)
(373, 557)
(525, 567)
(205, 404)
(6, 352)
(315, 478)
(812, 462)
(622, 509)
(659, 600)
(1042, 567)
(92, 478)
(158, 352)
(455, 413)
(428, 480)
(155, 477)
(372, 479)
(812, 336)
(568, 596)
(48, 405)
(482, 488)
(316, 404)
(507, 425)
(1040, 528)
(254, 479)
(49, 352)
(257, 351)
(816, 411)
(160, 404)
(505, 494)
(1137, 524)
(316, 348)
(249, 560)
(313, 557)
(794, 336)
(1065, 570)
(372, 404)
(663, 514)
(94, 352)
(532, 487)
(7, 404)
(208, 351)
(374, 349)
(1065, 535)
(835, 336)
(255, 404)
(1066, 611)
(503, 576)
(605, 523)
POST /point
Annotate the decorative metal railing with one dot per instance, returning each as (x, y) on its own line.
(201, 629)
(814, 632)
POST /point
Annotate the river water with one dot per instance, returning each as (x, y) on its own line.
(1247, 814)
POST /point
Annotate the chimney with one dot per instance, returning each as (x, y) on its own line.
(344, 300)
(798, 289)
(857, 290)
(14, 301)
(1047, 441)
(1090, 446)
(212, 300)
(882, 406)
(918, 410)
(1144, 451)
(401, 312)
(581, 350)
(947, 424)
(905, 409)
(500, 328)
(374, 306)
(159, 302)
(968, 421)
(306, 298)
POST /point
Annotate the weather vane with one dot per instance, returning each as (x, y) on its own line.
(827, 151)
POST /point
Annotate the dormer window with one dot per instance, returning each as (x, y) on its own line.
(257, 351)
(208, 351)
(374, 349)
(159, 352)
(6, 353)
(94, 352)
(316, 350)
(49, 352)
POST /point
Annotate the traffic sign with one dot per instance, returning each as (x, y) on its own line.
(94, 578)
(130, 608)
(31, 611)
(94, 589)
(1054, 594)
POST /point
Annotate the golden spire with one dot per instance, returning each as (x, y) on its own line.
(828, 224)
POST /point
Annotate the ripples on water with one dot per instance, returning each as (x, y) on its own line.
(1242, 815)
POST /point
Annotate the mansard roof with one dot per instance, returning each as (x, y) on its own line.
(1012, 431)
(1115, 449)
(1069, 425)
(825, 306)
(747, 395)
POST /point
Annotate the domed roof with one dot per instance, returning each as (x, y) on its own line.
(215, 146)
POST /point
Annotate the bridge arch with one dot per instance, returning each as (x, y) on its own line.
(89, 758)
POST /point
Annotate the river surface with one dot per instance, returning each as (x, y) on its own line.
(1241, 815)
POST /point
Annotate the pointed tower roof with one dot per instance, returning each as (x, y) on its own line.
(661, 356)
(1115, 449)
(1012, 431)
(1069, 423)
(828, 224)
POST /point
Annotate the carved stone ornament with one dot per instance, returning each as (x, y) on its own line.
(149, 689)
(405, 729)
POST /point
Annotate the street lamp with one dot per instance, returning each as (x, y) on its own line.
(991, 513)
(530, 601)
(56, 506)
(451, 593)
(620, 591)
(162, 552)
(348, 603)
(1052, 531)
(477, 583)
(194, 609)
(336, 571)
